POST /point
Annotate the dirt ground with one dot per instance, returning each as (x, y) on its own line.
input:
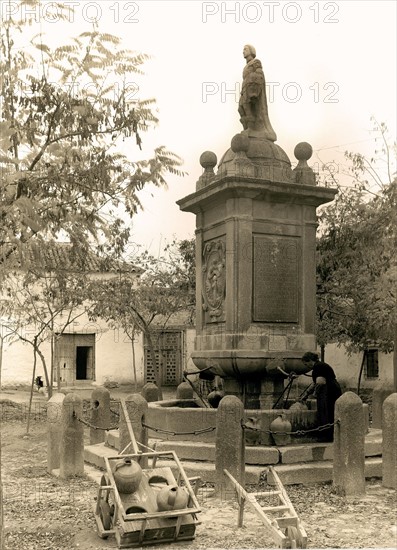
(46, 513)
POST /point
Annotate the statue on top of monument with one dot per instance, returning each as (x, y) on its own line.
(253, 102)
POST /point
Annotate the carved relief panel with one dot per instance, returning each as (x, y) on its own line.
(214, 280)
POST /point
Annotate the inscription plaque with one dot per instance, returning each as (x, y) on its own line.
(275, 279)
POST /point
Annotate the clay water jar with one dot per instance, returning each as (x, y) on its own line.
(281, 425)
(214, 398)
(172, 498)
(127, 475)
(252, 437)
(298, 406)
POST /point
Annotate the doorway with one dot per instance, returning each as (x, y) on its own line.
(74, 358)
(82, 353)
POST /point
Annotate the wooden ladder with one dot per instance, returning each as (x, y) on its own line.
(280, 517)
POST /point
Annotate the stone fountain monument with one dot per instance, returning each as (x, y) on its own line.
(255, 254)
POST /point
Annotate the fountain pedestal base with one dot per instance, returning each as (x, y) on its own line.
(255, 393)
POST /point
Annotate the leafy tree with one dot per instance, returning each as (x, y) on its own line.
(40, 304)
(165, 288)
(357, 264)
(64, 113)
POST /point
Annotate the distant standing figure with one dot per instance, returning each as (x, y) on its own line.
(253, 101)
(206, 383)
(326, 390)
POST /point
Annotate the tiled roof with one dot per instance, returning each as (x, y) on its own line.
(55, 256)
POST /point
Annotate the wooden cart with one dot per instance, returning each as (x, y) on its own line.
(275, 510)
(134, 518)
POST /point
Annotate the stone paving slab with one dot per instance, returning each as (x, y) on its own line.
(94, 454)
(112, 438)
(319, 472)
(290, 474)
(206, 451)
(290, 454)
(306, 453)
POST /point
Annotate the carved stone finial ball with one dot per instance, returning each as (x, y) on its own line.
(208, 159)
(303, 151)
(240, 142)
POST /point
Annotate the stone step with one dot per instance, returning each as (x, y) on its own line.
(94, 455)
(290, 474)
(205, 452)
(319, 472)
(290, 454)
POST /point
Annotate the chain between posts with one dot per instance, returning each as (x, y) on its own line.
(297, 432)
(211, 428)
(170, 432)
(92, 425)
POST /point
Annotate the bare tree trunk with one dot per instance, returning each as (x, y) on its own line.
(1, 505)
(52, 362)
(31, 387)
(1, 360)
(322, 352)
(49, 386)
(133, 361)
(395, 360)
(361, 371)
(156, 368)
(57, 367)
(1, 484)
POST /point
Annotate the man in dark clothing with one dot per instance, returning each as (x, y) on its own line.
(326, 390)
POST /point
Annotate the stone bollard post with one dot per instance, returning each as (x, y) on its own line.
(229, 446)
(72, 437)
(379, 394)
(100, 414)
(137, 411)
(150, 392)
(349, 438)
(366, 417)
(389, 442)
(54, 423)
(184, 391)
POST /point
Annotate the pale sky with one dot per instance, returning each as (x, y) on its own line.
(329, 66)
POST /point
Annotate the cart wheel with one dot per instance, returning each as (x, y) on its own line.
(293, 535)
(104, 514)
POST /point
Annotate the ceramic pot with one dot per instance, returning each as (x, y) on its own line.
(298, 406)
(127, 475)
(252, 437)
(172, 498)
(214, 398)
(280, 426)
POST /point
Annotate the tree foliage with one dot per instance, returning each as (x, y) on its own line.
(38, 305)
(357, 261)
(64, 112)
(165, 288)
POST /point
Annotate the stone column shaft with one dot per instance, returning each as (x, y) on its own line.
(349, 438)
(100, 414)
(389, 442)
(230, 446)
(72, 438)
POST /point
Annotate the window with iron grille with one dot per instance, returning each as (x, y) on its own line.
(371, 363)
(168, 351)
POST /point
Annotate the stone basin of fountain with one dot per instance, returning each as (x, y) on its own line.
(186, 418)
(180, 403)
